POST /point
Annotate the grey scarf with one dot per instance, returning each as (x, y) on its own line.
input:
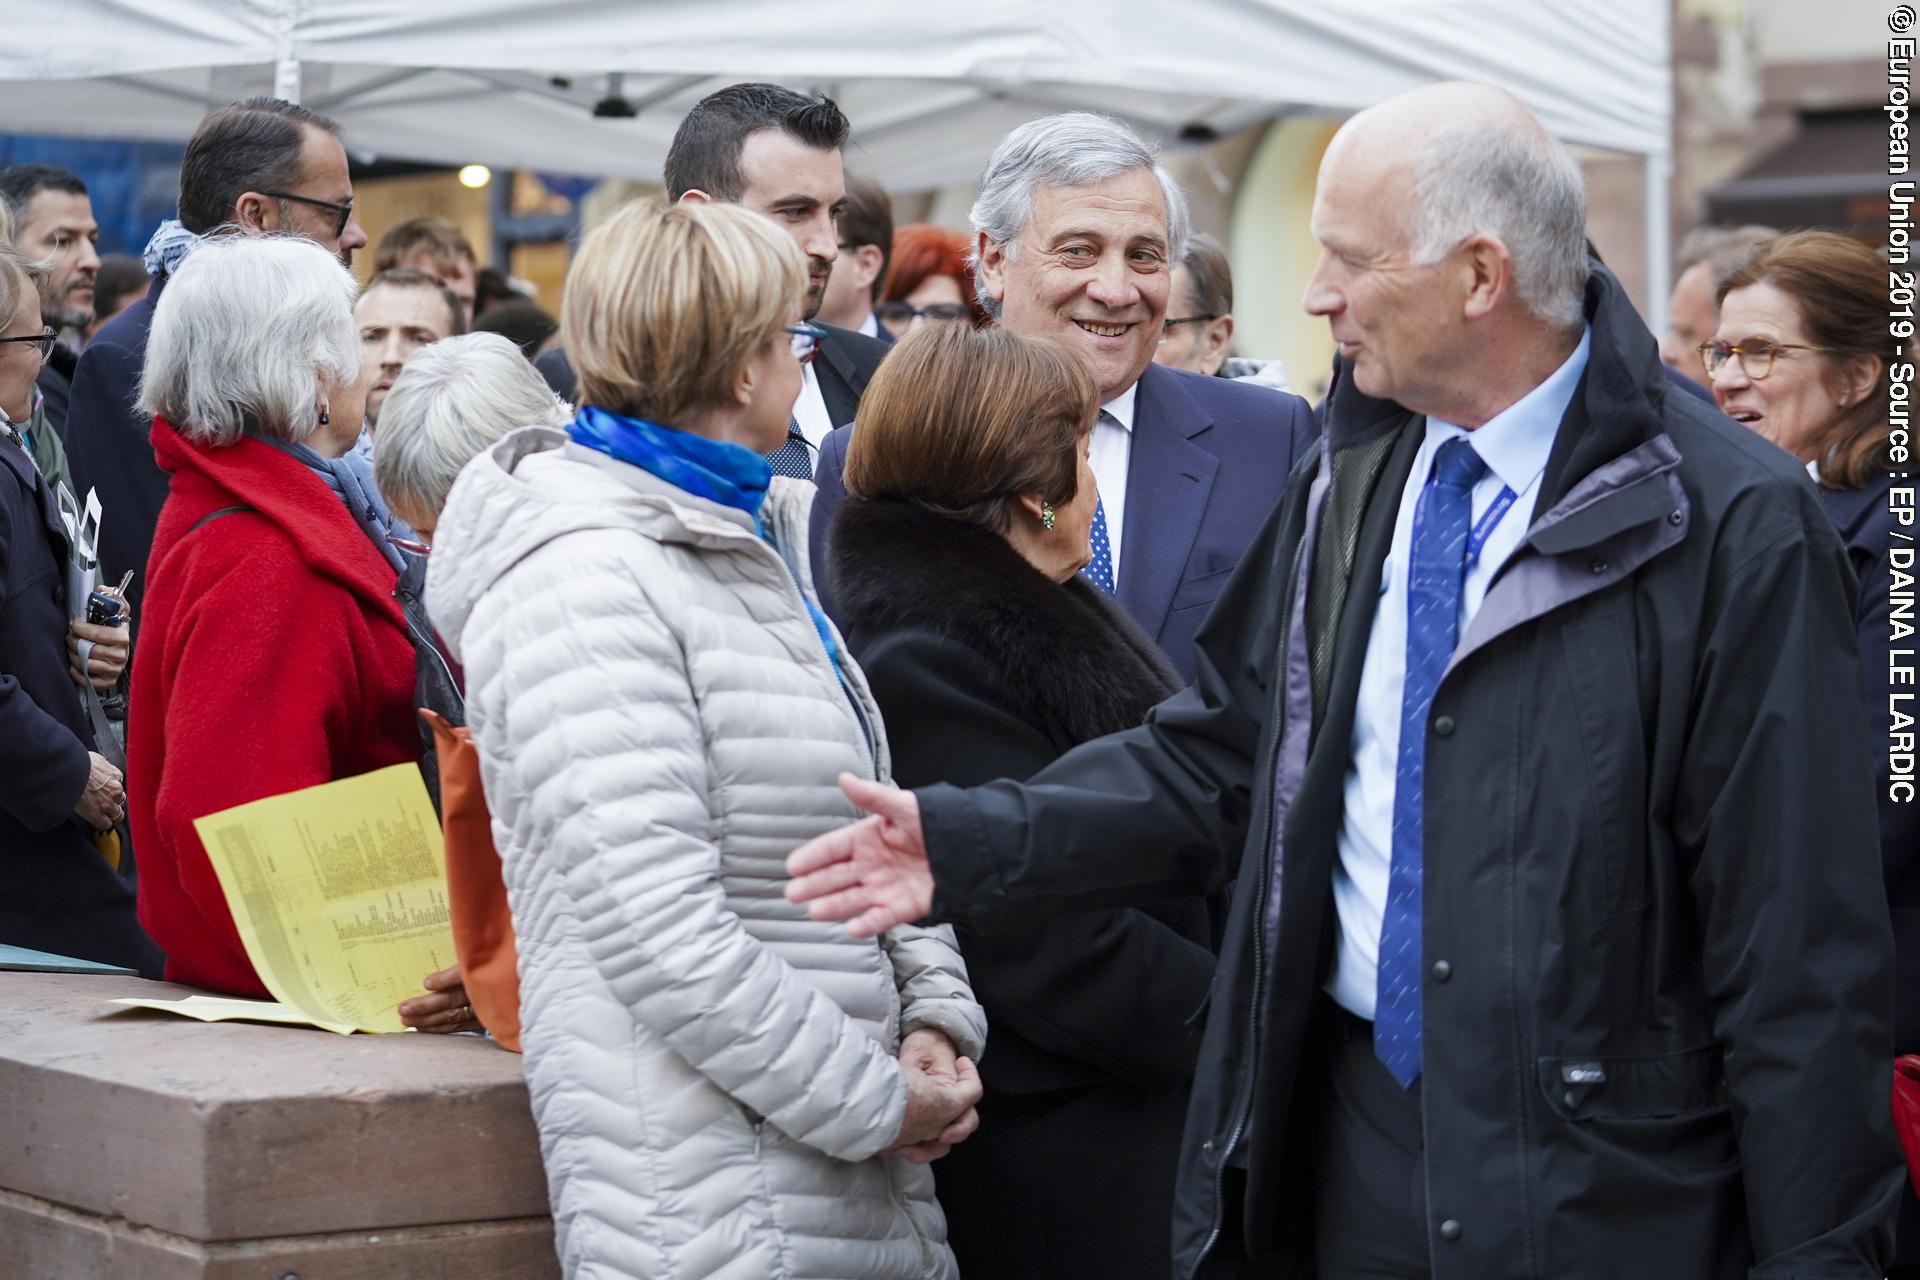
(351, 479)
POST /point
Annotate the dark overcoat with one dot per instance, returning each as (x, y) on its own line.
(58, 893)
(1658, 963)
(984, 668)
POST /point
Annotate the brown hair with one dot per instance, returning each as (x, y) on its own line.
(666, 304)
(1838, 285)
(408, 278)
(963, 421)
(440, 239)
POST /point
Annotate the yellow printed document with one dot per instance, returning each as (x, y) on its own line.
(223, 1009)
(340, 894)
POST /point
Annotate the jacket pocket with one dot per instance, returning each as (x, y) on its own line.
(1600, 665)
(1663, 1087)
(1200, 592)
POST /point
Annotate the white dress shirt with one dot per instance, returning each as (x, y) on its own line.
(1514, 444)
(870, 326)
(1112, 451)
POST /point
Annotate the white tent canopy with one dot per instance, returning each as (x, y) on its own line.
(513, 84)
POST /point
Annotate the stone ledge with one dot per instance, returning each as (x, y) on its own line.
(46, 1241)
(242, 1131)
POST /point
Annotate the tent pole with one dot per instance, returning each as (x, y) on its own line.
(286, 79)
(1659, 169)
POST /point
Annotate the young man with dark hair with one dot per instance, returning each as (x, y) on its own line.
(251, 168)
(53, 224)
(778, 153)
(866, 246)
(400, 311)
(438, 247)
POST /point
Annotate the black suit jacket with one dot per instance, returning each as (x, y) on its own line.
(846, 361)
(1210, 459)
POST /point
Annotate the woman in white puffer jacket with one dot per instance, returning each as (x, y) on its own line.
(723, 1087)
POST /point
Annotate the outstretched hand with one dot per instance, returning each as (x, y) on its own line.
(872, 874)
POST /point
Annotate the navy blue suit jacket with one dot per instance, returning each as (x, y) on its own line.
(1210, 458)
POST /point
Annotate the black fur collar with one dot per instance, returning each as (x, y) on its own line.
(1067, 652)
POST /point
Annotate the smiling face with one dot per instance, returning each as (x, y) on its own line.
(59, 229)
(1091, 267)
(395, 323)
(1797, 400)
(803, 189)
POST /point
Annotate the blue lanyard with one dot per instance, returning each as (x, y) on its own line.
(1483, 528)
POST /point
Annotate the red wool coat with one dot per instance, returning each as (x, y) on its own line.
(272, 656)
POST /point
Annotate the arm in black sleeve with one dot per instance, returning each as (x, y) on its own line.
(43, 766)
(1156, 812)
(1116, 988)
(1796, 951)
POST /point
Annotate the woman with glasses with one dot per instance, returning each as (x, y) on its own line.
(929, 278)
(661, 710)
(58, 893)
(1803, 357)
(273, 654)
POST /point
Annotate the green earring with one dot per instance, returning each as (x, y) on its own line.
(1046, 515)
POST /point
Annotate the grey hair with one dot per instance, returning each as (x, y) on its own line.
(1519, 186)
(250, 329)
(1073, 149)
(449, 404)
(1724, 249)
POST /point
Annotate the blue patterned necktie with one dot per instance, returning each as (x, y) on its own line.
(1099, 570)
(1436, 569)
(793, 457)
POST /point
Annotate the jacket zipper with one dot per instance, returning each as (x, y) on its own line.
(427, 642)
(847, 694)
(1243, 1110)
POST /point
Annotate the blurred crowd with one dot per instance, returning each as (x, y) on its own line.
(1348, 874)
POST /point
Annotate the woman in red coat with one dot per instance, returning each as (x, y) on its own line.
(273, 655)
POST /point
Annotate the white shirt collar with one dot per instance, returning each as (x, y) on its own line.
(870, 326)
(1516, 442)
(1121, 406)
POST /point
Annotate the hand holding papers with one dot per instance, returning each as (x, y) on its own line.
(338, 893)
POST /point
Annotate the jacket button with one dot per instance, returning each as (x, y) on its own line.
(1442, 971)
(1450, 1230)
(1443, 726)
(1676, 518)
(1207, 1146)
(1598, 566)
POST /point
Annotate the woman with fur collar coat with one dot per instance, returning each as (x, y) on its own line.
(955, 562)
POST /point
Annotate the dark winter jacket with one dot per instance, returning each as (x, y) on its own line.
(1659, 968)
(57, 894)
(985, 668)
(438, 683)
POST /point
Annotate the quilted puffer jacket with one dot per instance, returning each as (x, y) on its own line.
(713, 1074)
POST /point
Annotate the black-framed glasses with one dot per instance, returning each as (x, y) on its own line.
(901, 312)
(1173, 323)
(804, 340)
(344, 212)
(43, 340)
(1755, 355)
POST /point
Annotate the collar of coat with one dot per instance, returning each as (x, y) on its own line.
(254, 475)
(1063, 649)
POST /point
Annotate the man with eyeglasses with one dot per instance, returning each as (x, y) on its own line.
(55, 226)
(866, 244)
(1199, 326)
(778, 153)
(253, 168)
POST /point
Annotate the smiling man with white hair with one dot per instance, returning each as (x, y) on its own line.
(1551, 956)
(1077, 231)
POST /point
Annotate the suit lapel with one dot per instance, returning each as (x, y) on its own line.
(41, 493)
(841, 381)
(1169, 480)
